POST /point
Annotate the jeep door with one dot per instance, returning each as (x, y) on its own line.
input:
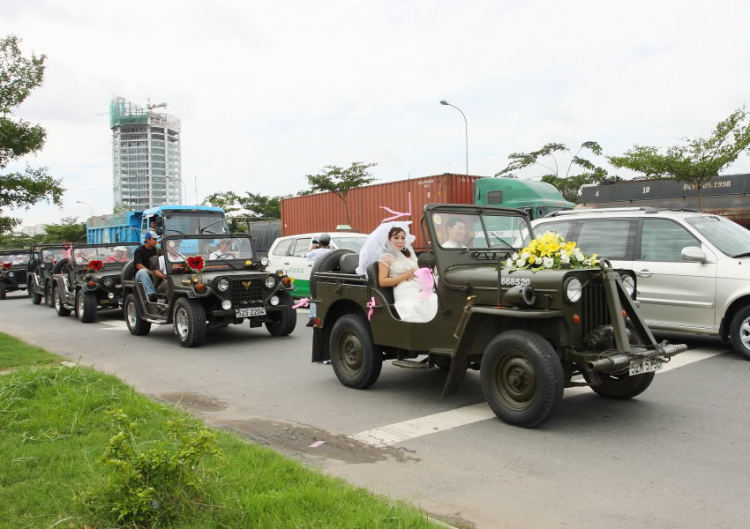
(674, 293)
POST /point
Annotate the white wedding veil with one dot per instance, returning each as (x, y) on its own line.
(377, 245)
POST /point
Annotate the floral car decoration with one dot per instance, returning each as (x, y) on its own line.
(550, 252)
(7, 266)
(95, 265)
(194, 264)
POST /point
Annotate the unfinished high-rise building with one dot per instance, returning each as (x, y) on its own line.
(145, 156)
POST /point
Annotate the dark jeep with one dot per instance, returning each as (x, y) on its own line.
(44, 258)
(220, 289)
(13, 271)
(530, 334)
(90, 280)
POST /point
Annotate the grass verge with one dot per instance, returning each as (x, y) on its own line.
(53, 430)
(15, 353)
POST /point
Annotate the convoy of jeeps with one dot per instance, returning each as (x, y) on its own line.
(529, 333)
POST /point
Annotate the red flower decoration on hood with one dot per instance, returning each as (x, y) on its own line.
(95, 265)
(7, 266)
(195, 263)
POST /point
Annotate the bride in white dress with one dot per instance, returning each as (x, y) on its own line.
(397, 264)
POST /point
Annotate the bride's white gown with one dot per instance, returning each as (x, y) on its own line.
(411, 306)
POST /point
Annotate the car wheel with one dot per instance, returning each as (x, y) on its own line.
(59, 305)
(136, 325)
(86, 305)
(2, 291)
(36, 298)
(622, 386)
(356, 360)
(739, 331)
(189, 322)
(285, 320)
(329, 262)
(522, 378)
(49, 298)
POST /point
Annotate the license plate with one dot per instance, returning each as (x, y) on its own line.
(249, 313)
(646, 366)
(22, 285)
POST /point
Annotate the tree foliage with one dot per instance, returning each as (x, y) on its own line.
(696, 161)
(340, 181)
(18, 77)
(69, 230)
(585, 171)
(257, 205)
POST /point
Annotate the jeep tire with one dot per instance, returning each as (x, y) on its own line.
(136, 325)
(36, 298)
(284, 320)
(86, 305)
(356, 360)
(2, 290)
(739, 331)
(329, 262)
(49, 294)
(522, 378)
(623, 386)
(189, 322)
(59, 303)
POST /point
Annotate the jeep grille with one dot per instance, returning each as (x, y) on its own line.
(594, 306)
(240, 294)
(20, 276)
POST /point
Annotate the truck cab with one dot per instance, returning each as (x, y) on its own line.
(536, 199)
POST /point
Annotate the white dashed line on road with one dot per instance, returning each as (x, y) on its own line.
(438, 422)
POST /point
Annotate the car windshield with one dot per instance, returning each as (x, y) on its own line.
(105, 254)
(228, 249)
(14, 258)
(53, 255)
(349, 243)
(458, 230)
(725, 234)
(190, 223)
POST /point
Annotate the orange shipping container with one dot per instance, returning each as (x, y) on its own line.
(322, 212)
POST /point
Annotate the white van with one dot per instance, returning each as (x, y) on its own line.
(290, 254)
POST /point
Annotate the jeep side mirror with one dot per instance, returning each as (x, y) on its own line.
(693, 254)
(426, 260)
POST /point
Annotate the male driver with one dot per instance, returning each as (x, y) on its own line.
(456, 228)
(224, 251)
(324, 240)
(141, 259)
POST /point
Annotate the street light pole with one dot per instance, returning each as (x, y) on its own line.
(87, 204)
(444, 102)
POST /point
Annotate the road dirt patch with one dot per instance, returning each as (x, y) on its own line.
(194, 401)
(298, 438)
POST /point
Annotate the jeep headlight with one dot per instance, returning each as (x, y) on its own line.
(270, 282)
(629, 283)
(573, 290)
(264, 261)
(11, 274)
(195, 278)
(223, 285)
(108, 282)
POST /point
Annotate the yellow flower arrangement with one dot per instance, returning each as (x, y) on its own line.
(550, 251)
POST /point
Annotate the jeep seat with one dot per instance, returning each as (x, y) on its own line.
(387, 292)
(349, 263)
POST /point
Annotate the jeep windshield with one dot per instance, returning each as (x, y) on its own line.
(13, 259)
(188, 223)
(52, 255)
(728, 236)
(227, 249)
(481, 230)
(108, 255)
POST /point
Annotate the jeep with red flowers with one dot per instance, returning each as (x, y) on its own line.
(13, 269)
(203, 283)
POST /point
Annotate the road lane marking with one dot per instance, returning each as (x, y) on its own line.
(438, 422)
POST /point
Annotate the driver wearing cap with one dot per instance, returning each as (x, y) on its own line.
(141, 259)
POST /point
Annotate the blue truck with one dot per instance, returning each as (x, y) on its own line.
(131, 226)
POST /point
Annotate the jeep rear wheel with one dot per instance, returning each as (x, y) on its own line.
(739, 332)
(49, 298)
(189, 322)
(522, 378)
(356, 360)
(622, 386)
(59, 304)
(2, 290)
(136, 325)
(284, 320)
(86, 305)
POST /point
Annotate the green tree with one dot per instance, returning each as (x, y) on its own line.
(227, 200)
(585, 171)
(69, 230)
(340, 181)
(695, 162)
(268, 207)
(18, 77)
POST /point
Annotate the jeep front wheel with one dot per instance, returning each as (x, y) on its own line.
(136, 325)
(189, 322)
(356, 360)
(36, 298)
(49, 298)
(284, 320)
(522, 378)
(622, 386)
(739, 331)
(2, 290)
(86, 305)
(59, 304)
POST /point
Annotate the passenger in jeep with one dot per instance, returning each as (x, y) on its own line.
(141, 261)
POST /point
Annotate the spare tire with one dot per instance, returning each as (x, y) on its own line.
(328, 263)
(59, 265)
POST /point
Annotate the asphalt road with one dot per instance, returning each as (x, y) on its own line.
(675, 457)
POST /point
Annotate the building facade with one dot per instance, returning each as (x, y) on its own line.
(146, 156)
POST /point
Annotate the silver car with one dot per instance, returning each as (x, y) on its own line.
(693, 269)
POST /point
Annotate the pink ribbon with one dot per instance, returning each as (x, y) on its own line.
(304, 302)
(396, 214)
(370, 305)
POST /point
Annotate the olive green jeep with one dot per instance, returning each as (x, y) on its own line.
(44, 259)
(529, 334)
(89, 280)
(13, 271)
(209, 283)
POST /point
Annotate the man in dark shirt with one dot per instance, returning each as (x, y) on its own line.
(141, 260)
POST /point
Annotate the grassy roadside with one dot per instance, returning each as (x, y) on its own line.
(15, 353)
(53, 430)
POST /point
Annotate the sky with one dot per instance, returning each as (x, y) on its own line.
(270, 91)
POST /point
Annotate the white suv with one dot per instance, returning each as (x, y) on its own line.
(693, 268)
